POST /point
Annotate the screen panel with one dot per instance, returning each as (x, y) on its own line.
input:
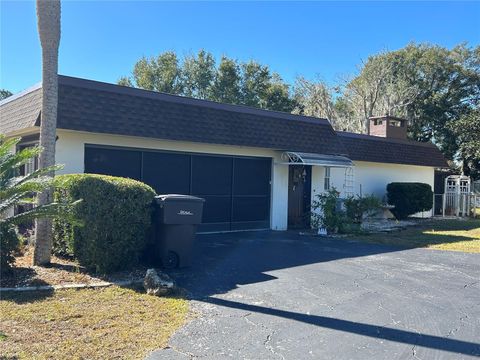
(236, 189)
(252, 176)
(167, 173)
(217, 209)
(251, 208)
(115, 162)
(211, 175)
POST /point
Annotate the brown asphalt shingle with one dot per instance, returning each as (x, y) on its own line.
(105, 108)
(20, 111)
(92, 106)
(395, 151)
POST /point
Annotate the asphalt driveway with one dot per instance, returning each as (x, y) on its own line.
(281, 295)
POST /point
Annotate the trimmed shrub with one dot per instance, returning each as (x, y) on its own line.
(115, 215)
(409, 198)
(9, 244)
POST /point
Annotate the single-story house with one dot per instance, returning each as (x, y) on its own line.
(257, 169)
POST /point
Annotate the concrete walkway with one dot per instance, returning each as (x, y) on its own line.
(279, 295)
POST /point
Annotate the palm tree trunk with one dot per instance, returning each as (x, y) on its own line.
(48, 16)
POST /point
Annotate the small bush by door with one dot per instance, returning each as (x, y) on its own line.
(116, 217)
(329, 213)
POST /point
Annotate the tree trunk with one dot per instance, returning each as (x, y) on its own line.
(366, 125)
(48, 16)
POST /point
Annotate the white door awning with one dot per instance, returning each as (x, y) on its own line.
(299, 158)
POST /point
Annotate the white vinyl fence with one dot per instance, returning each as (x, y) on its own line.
(460, 205)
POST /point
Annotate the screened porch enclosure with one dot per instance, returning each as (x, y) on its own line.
(236, 188)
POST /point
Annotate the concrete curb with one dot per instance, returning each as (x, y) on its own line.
(99, 284)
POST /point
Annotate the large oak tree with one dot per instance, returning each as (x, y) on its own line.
(199, 76)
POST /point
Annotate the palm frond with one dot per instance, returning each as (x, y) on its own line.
(35, 174)
(15, 190)
(12, 162)
(7, 145)
(32, 186)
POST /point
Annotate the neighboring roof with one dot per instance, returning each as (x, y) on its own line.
(105, 108)
(395, 151)
(21, 111)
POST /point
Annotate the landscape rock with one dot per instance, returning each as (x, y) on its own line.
(385, 225)
(157, 284)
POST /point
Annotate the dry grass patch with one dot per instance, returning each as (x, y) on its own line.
(451, 240)
(108, 323)
(60, 271)
(454, 235)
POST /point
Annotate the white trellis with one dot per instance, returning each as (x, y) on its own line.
(456, 199)
(349, 182)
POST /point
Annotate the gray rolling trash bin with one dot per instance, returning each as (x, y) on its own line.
(177, 217)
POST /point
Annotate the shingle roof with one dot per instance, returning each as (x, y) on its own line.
(21, 111)
(105, 108)
(395, 151)
(93, 106)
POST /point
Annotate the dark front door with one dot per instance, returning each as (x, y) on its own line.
(299, 192)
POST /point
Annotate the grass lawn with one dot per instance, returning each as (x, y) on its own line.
(455, 235)
(107, 323)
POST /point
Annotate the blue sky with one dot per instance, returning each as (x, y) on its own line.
(101, 40)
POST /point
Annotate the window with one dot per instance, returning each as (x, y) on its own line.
(377, 122)
(326, 180)
(29, 167)
(396, 123)
(32, 163)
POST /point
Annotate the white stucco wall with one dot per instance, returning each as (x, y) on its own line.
(337, 180)
(71, 144)
(373, 178)
(279, 200)
(318, 175)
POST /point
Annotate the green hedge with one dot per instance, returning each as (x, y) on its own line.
(115, 217)
(409, 198)
(9, 243)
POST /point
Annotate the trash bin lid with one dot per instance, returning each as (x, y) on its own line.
(177, 197)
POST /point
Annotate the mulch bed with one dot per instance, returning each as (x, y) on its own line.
(61, 271)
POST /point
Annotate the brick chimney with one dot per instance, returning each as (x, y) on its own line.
(388, 126)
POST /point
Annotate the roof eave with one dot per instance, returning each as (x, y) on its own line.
(20, 94)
